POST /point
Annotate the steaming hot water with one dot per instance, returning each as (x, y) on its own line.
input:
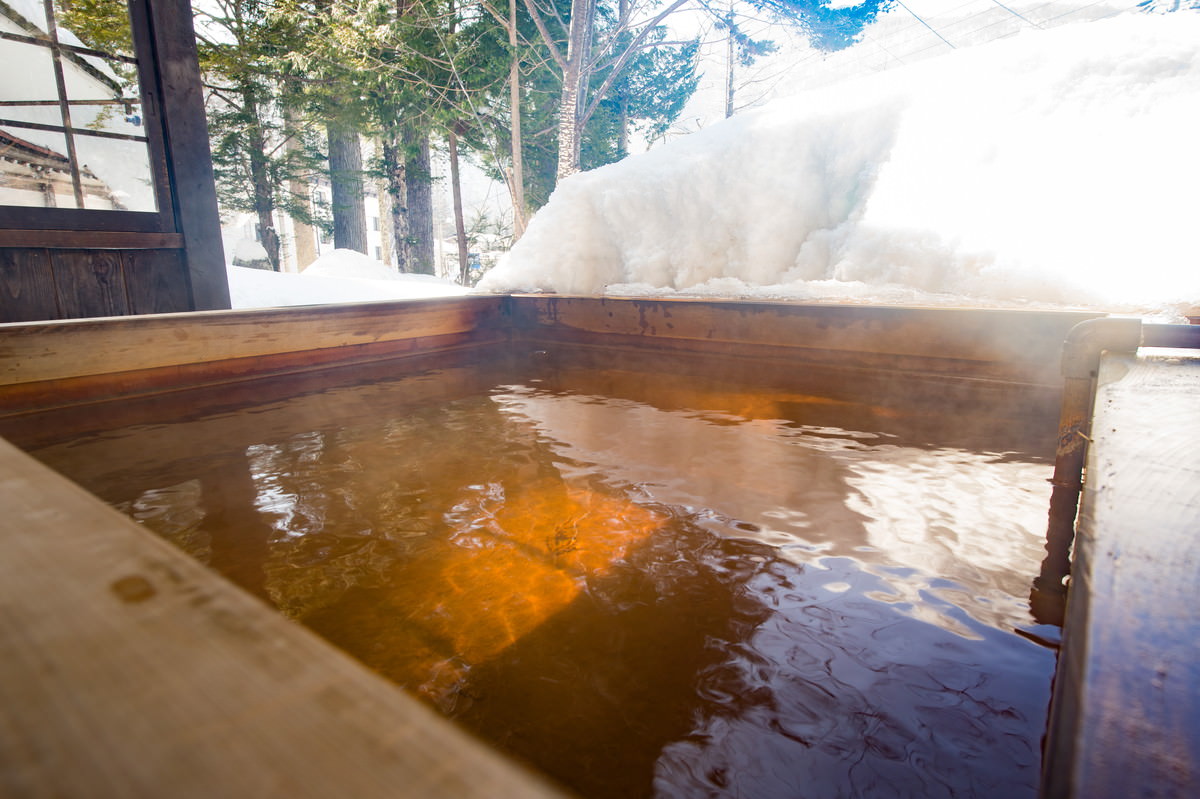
(642, 587)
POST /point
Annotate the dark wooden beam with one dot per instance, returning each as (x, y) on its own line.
(189, 160)
(90, 239)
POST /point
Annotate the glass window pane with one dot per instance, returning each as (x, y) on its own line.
(26, 70)
(96, 24)
(34, 168)
(28, 17)
(35, 174)
(101, 25)
(102, 95)
(115, 174)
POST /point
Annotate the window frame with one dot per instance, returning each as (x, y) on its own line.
(36, 223)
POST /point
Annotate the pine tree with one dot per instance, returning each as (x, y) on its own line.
(258, 152)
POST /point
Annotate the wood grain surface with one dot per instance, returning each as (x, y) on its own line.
(1127, 716)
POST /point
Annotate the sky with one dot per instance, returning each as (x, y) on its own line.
(1052, 168)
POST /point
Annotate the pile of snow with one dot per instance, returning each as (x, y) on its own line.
(249, 251)
(349, 263)
(1058, 167)
(339, 276)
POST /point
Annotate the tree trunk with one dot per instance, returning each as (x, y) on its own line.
(386, 237)
(304, 237)
(393, 165)
(730, 54)
(260, 178)
(460, 229)
(623, 98)
(579, 47)
(346, 180)
(516, 180)
(418, 184)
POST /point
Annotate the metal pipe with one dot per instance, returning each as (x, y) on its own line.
(1171, 336)
(1080, 362)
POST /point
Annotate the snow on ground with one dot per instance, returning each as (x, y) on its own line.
(340, 276)
(1054, 168)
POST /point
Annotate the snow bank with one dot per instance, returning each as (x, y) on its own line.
(340, 276)
(351, 263)
(1057, 167)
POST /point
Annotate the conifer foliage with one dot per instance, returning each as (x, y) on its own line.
(353, 95)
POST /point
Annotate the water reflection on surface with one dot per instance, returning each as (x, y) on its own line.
(684, 598)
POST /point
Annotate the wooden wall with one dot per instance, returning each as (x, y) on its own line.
(959, 343)
(42, 283)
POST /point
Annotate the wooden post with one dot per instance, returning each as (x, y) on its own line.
(189, 160)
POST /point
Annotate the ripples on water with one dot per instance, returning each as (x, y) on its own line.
(640, 597)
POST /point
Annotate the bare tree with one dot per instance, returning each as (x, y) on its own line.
(584, 54)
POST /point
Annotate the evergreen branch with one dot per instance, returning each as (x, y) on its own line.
(502, 20)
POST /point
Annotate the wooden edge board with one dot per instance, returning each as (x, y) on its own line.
(966, 340)
(35, 397)
(1126, 714)
(788, 354)
(128, 669)
(34, 352)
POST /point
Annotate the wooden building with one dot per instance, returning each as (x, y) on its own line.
(99, 117)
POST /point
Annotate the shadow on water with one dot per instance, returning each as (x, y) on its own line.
(712, 667)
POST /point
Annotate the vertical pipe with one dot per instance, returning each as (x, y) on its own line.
(1080, 362)
(1067, 483)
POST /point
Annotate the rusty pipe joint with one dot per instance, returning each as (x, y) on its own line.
(1087, 340)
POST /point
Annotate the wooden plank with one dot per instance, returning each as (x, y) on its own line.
(995, 343)
(1030, 411)
(127, 669)
(189, 161)
(234, 344)
(31, 397)
(90, 239)
(1126, 716)
(788, 354)
(156, 281)
(225, 345)
(90, 283)
(32, 218)
(27, 290)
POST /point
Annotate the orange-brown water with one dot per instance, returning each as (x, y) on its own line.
(642, 586)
